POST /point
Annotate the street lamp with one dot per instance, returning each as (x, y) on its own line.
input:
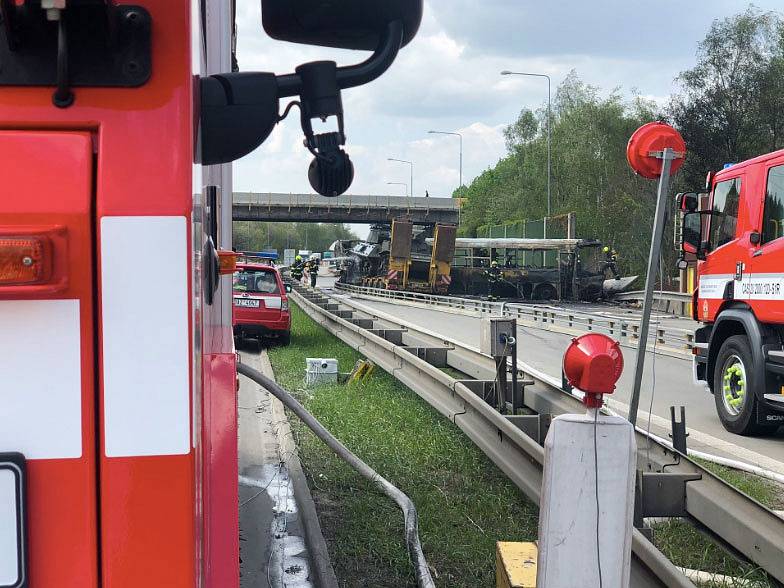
(461, 150)
(399, 184)
(411, 163)
(549, 121)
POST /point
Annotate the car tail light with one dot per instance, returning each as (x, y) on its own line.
(24, 260)
(284, 306)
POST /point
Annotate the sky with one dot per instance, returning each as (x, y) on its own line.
(447, 79)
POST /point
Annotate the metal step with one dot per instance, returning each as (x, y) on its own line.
(775, 398)
(776, 355)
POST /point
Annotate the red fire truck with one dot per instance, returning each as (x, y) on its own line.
(735, 232)
(118, 120)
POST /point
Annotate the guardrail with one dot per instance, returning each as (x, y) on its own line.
(414, 356)
(666, 340)
(679, 302)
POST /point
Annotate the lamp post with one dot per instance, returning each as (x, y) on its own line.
(549, 122)
(411, 163)
(461, 150)
(399, 184)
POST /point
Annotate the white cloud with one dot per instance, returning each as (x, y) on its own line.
(448, 79)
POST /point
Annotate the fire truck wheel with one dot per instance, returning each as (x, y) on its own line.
(284, 338)
(733, 387)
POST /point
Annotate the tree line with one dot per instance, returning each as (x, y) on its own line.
(262, 236)
(728, 107)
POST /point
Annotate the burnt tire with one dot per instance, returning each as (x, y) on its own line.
(734, 383)
(546, 292)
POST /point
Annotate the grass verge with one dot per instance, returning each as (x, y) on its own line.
(465, 503)
(687, 547)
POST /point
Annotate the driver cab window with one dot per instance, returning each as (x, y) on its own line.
(773, 219)
(724, 217)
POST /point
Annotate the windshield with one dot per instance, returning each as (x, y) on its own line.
(255, 282)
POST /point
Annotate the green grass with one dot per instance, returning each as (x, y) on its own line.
(764, 491)
(685, 546)
(465, 503)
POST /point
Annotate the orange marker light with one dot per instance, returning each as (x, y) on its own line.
(24, 260)
(227, 262)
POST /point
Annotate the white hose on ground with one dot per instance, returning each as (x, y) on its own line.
(410, 517)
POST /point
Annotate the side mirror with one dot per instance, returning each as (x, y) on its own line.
(288, 288)
(682, 263)
(347, 24)
(687, 201)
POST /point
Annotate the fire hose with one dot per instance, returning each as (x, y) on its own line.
(410, 517)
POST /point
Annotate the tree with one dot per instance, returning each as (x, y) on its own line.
(258, 236)
(729, 108)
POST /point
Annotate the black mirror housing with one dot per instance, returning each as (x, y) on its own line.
(344, 24)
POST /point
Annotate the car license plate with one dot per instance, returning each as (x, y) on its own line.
(246, 302)
(13, 542)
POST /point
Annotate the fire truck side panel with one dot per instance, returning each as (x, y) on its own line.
(47, 385)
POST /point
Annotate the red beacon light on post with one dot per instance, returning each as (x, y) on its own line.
(593, 363)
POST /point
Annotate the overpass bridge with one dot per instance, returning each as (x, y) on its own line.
(251, 206)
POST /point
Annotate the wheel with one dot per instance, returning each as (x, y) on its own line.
(546, 292)
(284, 338)
(733, 388)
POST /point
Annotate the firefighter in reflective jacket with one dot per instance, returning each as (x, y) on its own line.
(610, 262)
(494, 277)
(296, 268)
(313, 267)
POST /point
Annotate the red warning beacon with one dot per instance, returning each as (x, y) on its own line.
(593, 363)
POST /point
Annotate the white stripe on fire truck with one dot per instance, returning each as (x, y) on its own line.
(144, 308)
(751, 286)
(41, 409)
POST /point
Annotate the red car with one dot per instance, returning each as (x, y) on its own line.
(261, 307)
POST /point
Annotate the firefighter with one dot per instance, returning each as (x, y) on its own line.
(494, 276)
(313, 268)
(296, 268)
(610, 262)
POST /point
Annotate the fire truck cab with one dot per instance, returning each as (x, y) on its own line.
(119, 121)
(735, 233)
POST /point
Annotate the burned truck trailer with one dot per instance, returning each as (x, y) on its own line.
(400, 257)
(534, 269)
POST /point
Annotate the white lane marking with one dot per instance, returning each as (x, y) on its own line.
(146, 367)
(40, 378)
(716, 444)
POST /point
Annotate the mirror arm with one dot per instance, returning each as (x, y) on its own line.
(355, 75)
(370, 69)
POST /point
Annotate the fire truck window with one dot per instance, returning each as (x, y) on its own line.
(773, 220)
(724, 219)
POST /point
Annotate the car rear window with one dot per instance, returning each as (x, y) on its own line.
(256, 282)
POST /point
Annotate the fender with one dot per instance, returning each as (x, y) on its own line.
(756, 333)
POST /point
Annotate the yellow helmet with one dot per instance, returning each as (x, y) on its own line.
(298, 258)
(606, 249)
(493, 263)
